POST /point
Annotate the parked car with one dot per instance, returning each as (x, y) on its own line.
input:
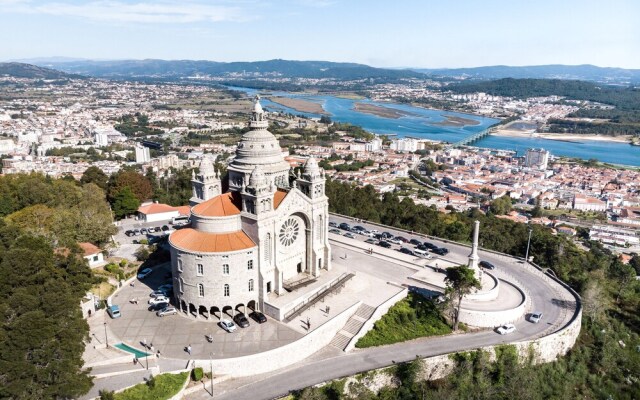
(157, 229)
(394, 241)
(349, 235)
(143, 231)
(422, 253)
(535, 317)
(166, 287)
(144, 273)
(506, 329)
(336, 231)
(227, 325)
(441, 251)
(402, 239)
(333, 224)
(157, 293)
(241, 320)
(429, 245)
(415, 242)
(371, 241)
(387, 235)
(165, 228)
(157, 306)
(168, 310)
(374, 231)
(358, 228)
(344, 226)
(128, 232)
(114, 311)
(136, 232)
(486, 265)
(384, 244)
(158, 299)
(406, 251)
(421, 247)
(258, 317)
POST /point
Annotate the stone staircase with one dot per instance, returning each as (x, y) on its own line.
(353, 325)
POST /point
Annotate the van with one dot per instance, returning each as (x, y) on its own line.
(114, 311)
(422, 253)
(182, 219)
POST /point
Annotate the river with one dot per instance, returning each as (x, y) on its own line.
(423, 123)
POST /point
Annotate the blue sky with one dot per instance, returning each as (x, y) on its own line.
(384, 33)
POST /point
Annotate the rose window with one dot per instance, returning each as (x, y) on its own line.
(289, 232)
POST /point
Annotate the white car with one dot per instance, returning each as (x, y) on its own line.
(158, 299)
(506, 328)
(535, 317)
(168, 310)
(228, 326)
(374, 231)
(144, 273)
(394, 241)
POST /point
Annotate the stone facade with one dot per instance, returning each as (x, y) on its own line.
(242, 245)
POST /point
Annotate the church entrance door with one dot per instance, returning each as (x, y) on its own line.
(299, 267)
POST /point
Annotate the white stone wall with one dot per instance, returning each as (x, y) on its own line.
(282, 356)
(213, 279)
(489, 319)
(231, 223)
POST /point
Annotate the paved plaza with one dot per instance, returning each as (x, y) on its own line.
(171, 334)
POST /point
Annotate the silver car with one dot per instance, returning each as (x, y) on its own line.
(169, 310)
(535, 317)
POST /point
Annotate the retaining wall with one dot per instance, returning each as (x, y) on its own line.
(489, 319)
(283, 356)
(377, 314)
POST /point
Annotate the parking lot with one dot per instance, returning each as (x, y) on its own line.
(172, 334)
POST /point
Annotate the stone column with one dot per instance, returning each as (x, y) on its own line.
(473, 257)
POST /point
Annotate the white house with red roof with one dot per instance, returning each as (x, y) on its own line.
(154, 212)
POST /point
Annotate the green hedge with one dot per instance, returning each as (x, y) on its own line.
(408, 319)
(159, 387)
(196, 374)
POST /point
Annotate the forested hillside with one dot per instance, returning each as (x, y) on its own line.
(605, 363)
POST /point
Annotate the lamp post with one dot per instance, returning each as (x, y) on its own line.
(106, 338)
(526, 257)
(211, 364)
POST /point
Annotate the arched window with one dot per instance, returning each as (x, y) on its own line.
(250, 264)
(200, 269)
(267, 248)
(179, 265)
(201, 290)
(251, 285)
(226, 290)
(225, 269)
(181, 285)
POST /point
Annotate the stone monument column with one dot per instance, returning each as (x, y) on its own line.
(473, 257)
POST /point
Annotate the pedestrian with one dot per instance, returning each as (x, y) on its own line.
(158, 354)
(189, 349)
(135, 360)
(308, 323)
(151, 347)
(132, 284)
(144, 343)
(328, 308)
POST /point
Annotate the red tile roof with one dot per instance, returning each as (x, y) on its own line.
(157, 208)
(224, 205)
(203, 242)
(278, 197)
(89, 249)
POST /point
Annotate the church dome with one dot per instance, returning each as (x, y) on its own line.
(257, 178)
(311, 167)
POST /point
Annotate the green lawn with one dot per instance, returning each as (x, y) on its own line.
(408, 319)
(164, 386)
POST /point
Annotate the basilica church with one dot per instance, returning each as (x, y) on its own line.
(242, 246)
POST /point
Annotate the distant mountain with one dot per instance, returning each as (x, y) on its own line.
(186, 68)
(573, 72)
(22, 70)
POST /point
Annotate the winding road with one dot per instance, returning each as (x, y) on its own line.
(557, 304)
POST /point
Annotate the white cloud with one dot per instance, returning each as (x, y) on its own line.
(141, 12)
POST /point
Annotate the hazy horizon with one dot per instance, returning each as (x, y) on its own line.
(409, 34)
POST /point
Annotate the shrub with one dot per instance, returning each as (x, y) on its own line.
(196, 374)
(160, 387)
(106, 395)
